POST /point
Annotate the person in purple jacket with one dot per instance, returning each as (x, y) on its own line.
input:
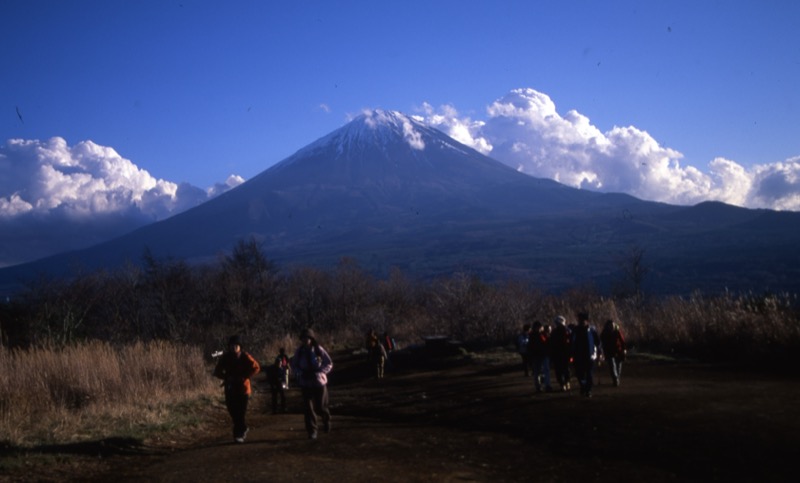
(311, 365)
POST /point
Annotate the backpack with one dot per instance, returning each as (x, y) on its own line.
(282, 361)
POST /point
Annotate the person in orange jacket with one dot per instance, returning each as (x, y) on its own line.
(235, 368)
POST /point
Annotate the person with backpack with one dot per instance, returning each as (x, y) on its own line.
(376, 355)
(388, 342)
(235, 367)
(586, 350)
(278, 379)
(390, 345)
(539, 356)
(283, 363)
(614, 349)
(561, 351)
(311, 365)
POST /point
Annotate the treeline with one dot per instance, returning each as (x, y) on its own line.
(246, 293)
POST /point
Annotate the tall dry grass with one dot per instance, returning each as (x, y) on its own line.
(755, 329)
(95, 390)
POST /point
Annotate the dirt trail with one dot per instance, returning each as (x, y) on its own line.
(480, 421)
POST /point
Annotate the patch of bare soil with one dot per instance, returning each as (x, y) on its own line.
(478, 419)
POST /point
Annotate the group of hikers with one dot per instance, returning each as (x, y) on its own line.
(578, 344)
(310, 366)
(378, 351)
(539, 346)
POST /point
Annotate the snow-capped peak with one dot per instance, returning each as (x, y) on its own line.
(378, 134)
(375, 128)
(383, 127)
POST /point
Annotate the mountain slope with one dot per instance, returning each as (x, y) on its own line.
(389, 191)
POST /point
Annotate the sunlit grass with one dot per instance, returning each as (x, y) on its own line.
(94, 390)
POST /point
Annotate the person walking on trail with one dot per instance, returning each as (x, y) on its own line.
(561, 351)
(283, 363)
(538, 351)
(614, 349)
(370, 338)
(585, 352)
(311, 365)
(278, 379)
(522, 348)
(390, 345)
(376, 355)
(235, 367)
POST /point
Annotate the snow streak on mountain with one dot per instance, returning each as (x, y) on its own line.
(385, 130)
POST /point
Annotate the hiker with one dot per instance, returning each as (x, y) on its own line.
(522, 348)
(311, 365)
(388, 343)
(235, 367)
(561, 351)
(376, 355)
(614, 349)
(370, 338)
(282, 361)
(277, 377)
(585, 352)
(539, 357)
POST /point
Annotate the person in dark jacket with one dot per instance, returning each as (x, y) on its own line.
(235, 367)
(311, 365)
(278, 379)
(614, 349)
(539, 355)
(376, 355)
(561, 351)
(585, 352)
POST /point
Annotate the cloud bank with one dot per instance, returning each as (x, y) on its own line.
(86, 180)
(54, 197)
(524, 130)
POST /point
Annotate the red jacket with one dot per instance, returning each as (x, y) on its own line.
(236, 371)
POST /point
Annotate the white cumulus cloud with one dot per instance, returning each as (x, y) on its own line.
(524, 130)
(61, 197)
(86, 180)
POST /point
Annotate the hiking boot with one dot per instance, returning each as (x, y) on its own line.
(312, 435)
(239, 440)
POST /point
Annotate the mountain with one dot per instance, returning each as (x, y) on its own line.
(392, 192)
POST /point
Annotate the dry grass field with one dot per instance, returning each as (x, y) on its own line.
(472, 417)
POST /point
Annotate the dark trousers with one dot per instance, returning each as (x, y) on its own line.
(526, 363)
(315, 401)
(584, 371)
(278, 393)
(237, 407)
(561, 366)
